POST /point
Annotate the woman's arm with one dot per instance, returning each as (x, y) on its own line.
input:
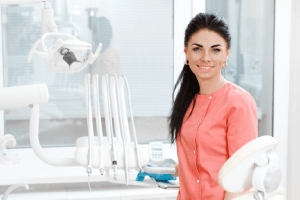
(242, 122)
(176, 172)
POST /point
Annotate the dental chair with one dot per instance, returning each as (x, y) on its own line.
(253, 168)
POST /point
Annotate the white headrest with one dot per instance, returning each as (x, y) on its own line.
(236, 174)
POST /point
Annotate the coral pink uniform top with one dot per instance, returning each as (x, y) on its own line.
(220, 124)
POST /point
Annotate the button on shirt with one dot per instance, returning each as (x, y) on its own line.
(220, 124)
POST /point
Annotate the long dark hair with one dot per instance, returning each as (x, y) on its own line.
(189, 85)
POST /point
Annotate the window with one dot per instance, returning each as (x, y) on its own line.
(137, 39)
(250, 63)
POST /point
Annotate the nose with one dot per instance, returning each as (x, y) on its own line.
(205, 57)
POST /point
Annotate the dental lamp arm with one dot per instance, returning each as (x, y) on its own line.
(48, 24)
(95, 56)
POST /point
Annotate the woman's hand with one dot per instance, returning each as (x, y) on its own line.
(176, 171)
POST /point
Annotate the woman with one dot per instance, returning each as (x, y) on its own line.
(211, 117)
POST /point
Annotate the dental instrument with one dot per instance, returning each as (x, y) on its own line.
(114, 106)
(98, 121)
(123, 110)
(118, 113)
(106, 99)
(126, 153)
(122, 80)
(12, 188)
(90, 125)
(106, 109)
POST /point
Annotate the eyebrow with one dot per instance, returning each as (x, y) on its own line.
(199, 45)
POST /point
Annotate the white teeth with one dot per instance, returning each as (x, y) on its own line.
(205, 67)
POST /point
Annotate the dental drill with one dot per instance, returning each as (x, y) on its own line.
(106, 101)
(98, 122)
(116, 107)
(90, 126)
(123, 79)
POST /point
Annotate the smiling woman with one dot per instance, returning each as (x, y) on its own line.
(207, 53)
(211, 117)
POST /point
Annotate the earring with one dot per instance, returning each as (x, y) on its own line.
(187, 62)
(225, 65)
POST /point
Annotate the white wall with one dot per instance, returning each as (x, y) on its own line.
(281, 81)
(293, 158)
(1, 81)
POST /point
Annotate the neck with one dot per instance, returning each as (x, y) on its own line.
(209, 86)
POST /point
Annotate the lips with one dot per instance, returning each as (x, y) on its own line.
(206, 66)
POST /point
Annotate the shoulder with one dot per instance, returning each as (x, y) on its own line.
(238, 96)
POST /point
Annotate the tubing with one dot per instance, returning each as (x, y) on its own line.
(98, 122)
(125, 158)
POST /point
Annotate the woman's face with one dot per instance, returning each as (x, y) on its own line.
(206, 52)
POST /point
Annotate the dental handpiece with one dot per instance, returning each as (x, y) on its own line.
(90, 126)
(113, 147)
(125, 158)
(98, 122)
(133, 127)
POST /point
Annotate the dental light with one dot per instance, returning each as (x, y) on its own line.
(67, 54)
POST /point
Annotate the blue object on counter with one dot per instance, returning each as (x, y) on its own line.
(158, 177)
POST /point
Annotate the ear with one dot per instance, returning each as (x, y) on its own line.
(185, 51)
(227, 54)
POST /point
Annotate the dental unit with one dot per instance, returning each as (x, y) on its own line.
(113, 152)
(254, 166)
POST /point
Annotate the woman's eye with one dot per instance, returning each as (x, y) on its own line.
(196, 49)
(216, 50)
